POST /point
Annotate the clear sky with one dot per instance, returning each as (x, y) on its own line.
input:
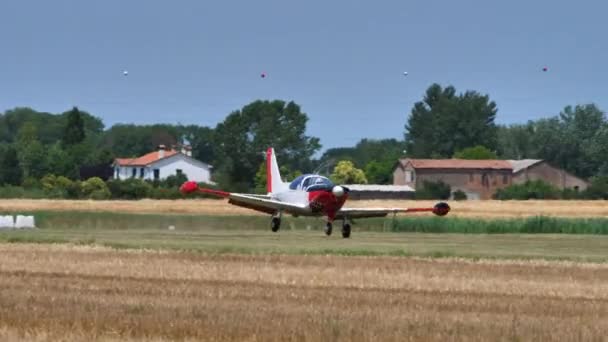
(195, 61)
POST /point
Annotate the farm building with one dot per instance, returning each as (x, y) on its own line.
(480, 179)
(537, 169)
(161, 164)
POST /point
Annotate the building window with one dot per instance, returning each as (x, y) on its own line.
(505, 179)
(156, 174)
(408, 176)
(141, 173)
(471, 178)
(178, 172)
(133, 172)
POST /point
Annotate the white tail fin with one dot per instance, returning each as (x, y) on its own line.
(274, 182)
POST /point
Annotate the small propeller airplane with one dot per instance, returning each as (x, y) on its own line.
(307, 195)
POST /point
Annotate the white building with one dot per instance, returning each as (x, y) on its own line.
(161, 164)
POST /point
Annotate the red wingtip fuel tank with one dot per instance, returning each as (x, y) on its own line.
(441, 209)
(188, 187)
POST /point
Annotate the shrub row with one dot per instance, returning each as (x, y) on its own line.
(531, 225)
(59, 187)
(598, 189)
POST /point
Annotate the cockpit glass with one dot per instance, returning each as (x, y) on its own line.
(311, 182)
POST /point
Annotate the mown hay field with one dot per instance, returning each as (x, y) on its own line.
(77, 293)
(481, 209)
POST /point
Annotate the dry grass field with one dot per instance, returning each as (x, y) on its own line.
(481, 209)
(78, 293)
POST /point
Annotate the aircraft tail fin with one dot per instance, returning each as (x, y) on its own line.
(274, 182)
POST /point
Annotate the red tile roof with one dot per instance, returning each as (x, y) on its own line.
(146, 159)
(458, 164)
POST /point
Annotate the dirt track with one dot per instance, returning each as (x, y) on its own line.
(82, 293)
(221, 207)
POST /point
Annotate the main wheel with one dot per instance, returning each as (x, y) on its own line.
(346, 230)
(275, 224)
(328, 229)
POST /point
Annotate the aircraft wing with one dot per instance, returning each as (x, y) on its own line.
(257, 202)
(439, 209)
(265, 205)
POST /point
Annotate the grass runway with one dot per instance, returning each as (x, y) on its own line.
(127, 277)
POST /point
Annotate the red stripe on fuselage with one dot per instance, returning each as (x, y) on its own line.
(326, 202)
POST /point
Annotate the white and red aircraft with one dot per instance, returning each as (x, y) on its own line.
(307, 195)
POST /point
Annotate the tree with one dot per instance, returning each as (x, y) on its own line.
(242, 139)
(201, 139)
(59, 162)
(478, 152)
(74, 129)
(574, 140)
(380, 172)
(31, 153)
(10, 172)
(597, 150)
(445, 122)
(376, 157)
(346, 173)
(128, 140)
(261, 181)
(516, 141)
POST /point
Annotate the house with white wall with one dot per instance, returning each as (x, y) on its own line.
(161, 164)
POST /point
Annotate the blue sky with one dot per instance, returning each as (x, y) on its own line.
(342, 61)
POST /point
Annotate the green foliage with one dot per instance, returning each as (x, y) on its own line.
(243, 137)
(529, 190)
(202, 141)
(459, 195)
(376, 157)
(132, 188)
(129, 140)
(10, 172)
(434, 190)
(478, 152)
(531, 225)
(32, 159)
(60, 187)
(575, 140)
(380, 172)
(346, 173)
(74, 129)
(598, 189)
(445, 122)
(11, 191)
(174, 181)
(59, 162)
(260, 177)
(95, 188)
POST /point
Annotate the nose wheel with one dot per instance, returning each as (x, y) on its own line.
(328, 228)
(346, 230)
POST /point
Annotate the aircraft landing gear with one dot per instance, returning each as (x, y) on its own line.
(328, 228)
(275, 223)
(345, 229)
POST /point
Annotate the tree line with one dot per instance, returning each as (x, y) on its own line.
(444, 124)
